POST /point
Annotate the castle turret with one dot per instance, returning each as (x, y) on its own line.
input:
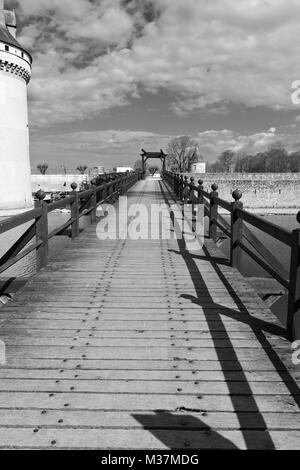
(15, 73)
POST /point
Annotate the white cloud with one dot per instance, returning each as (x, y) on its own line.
(113, 147)
(213, 143)
(108, 148)
(93, 55)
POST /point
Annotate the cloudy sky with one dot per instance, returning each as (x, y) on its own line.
(113, 76)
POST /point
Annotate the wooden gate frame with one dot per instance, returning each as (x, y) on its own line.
(146, 155)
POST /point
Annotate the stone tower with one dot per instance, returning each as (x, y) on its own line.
(15, 72)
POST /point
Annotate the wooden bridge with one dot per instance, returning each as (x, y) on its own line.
(127, 344)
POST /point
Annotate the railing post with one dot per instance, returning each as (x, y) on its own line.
(176, 189)
(213, 213)
(192, 185)
(110, 190)
(200, 193)
(75, 212)
(105, 192)
(185, 184)
(42, 231)
(99, 193)
(293, 316)
(194, 202)
(115, 189)
(236, 230)
(180, 187)
(121, 186)
(94, 202)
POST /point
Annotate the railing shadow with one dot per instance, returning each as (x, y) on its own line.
(183, 431)
(258, 327)
(283, 371)
(4, 285)
(223, 353)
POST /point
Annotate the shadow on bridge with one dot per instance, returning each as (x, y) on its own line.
(257, 326)
(183, 431)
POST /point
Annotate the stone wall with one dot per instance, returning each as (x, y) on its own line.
(55, 183)
(262, 192)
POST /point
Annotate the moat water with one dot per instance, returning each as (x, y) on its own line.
(282, 252)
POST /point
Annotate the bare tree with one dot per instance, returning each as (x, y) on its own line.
(227, 161)
(43, 167)
(138, 165)
(81, 169)
(182, 152)
(153, 170)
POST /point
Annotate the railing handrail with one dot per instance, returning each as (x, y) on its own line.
(20, 219)
(279, 233)
(236, 230)
(92, 197)
(274, 230)
(17, 220)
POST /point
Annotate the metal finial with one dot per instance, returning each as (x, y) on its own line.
(94, 182)
(74, 186)
(200, 182)
(237, 195)
(192, 179)
(214, 187)
(40, 195)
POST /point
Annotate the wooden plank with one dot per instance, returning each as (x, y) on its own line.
(127, 343)
(138, 342)
(121, 315)
(87, 324)
(140, 439)
(149, 387)
(131, 353)
(148, 365)
(184, 420)
(146, 402)
(149, 375)
(70, 331)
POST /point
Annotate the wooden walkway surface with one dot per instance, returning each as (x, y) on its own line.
(124, 344)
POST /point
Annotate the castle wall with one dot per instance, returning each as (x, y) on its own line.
(262, 192)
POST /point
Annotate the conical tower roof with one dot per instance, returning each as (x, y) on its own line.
(5, 35)
(196, 151)
(199, 156)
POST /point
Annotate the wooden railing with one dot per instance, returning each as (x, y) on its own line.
(81, 203)
(239, 233)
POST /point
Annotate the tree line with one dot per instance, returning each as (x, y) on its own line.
(276, 159)
(183, 151)
(43, 168)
